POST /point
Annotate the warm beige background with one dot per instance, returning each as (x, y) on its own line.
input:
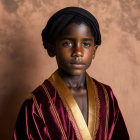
(24, 63)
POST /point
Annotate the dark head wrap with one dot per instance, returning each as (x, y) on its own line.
(65, 16)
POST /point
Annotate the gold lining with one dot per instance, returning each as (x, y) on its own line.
(94, 107)
(55, 112)
(107, 110)
(71, 118)
(93, 120)
(38, 108)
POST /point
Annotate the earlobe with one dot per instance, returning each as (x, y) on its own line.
(94, 51)
(50, 49)
(93, 56)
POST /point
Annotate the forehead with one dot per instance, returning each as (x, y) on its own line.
(75, 29)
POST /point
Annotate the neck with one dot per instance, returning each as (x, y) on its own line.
(73, 81)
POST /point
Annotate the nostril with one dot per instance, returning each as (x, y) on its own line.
(77, 53)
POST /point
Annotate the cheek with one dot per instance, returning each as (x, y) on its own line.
(89, 54)
(62, 56)
(65, 53)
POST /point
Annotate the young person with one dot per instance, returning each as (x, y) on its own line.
(70, 104)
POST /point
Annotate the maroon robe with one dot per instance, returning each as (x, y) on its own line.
(47, 115)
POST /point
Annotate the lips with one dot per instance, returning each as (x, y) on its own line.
(77, 64)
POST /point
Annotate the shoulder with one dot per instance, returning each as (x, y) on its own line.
(30, 107)
(39, 91)
(28, 104)
(106, 94)
(104, 87)
(26, 109)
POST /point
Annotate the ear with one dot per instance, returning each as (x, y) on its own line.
(94, 51)
(50, 49)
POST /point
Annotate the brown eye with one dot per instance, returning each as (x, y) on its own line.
(67, 44)
(86, 44)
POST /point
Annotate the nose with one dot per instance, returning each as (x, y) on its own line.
(77, 51)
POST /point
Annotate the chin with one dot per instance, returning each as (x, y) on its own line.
(76, 72)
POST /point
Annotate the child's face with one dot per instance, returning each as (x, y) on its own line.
(75, 49)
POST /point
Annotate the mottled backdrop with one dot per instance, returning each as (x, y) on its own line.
(24, 63)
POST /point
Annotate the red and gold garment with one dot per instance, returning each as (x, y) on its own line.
(53, 114)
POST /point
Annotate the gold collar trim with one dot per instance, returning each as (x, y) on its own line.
(89, 132)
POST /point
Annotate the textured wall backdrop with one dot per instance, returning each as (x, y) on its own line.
(24, 63)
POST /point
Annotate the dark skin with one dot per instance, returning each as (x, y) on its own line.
(74, 50)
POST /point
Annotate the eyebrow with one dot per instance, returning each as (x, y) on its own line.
(70, 38)
(87, 39)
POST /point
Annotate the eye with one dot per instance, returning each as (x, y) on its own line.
(86, 44)
(67, 44)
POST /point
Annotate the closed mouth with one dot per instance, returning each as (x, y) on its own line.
(77, 64)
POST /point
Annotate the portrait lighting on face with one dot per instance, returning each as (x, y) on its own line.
(75, 49)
